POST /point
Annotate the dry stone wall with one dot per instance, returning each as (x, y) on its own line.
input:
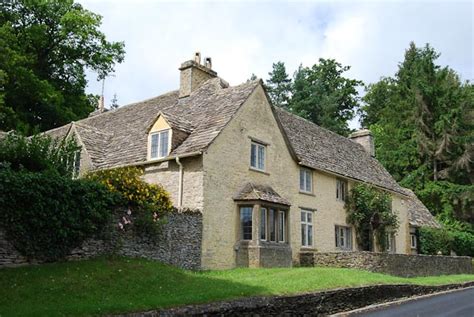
(178, 244)
(393, 264)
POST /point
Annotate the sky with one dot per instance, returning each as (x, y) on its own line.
(245, 37)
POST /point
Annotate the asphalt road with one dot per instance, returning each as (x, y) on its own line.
(458, 303)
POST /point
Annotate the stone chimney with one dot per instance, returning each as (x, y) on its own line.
(193, 74)
(364, 137)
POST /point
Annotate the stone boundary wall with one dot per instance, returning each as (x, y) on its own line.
(393, 264)
(313, 304)
(178, 244)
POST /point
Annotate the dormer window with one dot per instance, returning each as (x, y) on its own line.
(159, 144)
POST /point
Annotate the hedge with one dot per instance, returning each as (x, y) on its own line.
(433, 241)
(46, 215)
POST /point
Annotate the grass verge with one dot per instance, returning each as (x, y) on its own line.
(101, 286)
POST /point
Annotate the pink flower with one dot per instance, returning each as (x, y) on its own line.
(129, 212)
(120, 225)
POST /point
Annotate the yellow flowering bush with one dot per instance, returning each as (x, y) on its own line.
(147, 203)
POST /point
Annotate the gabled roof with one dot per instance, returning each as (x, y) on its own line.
(251, 192)
(324, 150)
(119, 137)
(418, 214)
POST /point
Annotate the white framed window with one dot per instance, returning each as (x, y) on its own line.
(257, 156)
(306, 228)
(390, 238)
(341, 189)
(306, 180)
(246, 223)
(413, 243)
(343, 238)
(281, 226)
(160, 144)
(263, 224)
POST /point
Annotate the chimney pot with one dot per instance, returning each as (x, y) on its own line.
(101, 104)
(197, 57)
(208, 62)
(364, 137)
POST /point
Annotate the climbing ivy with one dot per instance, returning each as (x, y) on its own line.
(369, 210)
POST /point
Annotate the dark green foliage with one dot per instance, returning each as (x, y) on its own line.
(324, 96)
(369, 210)
(423, 123)
(46, 215)
(279, 85)
(463, 243)
(434, 241)
(45, 49)
(39, 153)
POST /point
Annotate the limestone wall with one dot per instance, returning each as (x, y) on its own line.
(178, 244)
(227, 168)
(167, 175)
(393, 264)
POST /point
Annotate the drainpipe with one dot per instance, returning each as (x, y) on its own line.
(180, 184)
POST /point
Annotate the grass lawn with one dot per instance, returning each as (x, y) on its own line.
(116, 285)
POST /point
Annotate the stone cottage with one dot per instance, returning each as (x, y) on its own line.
(269, 184)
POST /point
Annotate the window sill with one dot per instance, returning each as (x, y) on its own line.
(258, 171)
(307, 193)
(307, 248)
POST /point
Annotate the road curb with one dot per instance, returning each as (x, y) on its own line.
(321, 303)
(374, 307)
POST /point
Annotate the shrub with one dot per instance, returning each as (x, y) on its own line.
(46, 215)
(39, 153)
(433, 241)
(147, 203)
(369, 210)
(463, 243)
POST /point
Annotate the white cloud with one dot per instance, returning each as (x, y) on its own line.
(247, 37)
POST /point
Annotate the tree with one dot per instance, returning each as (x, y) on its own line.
(423, 121)
(279, 85)
(45, 48)
(252, 78)
(114, 102)
(324, 96)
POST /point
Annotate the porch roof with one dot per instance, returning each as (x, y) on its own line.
(251, 191)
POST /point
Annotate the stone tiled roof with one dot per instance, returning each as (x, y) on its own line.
(119, 137)
(418, 214)
(251, 191)
(324, 150)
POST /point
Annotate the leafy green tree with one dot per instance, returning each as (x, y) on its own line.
(45, 49)
(279, 85)
(423, 122)
(324, 96)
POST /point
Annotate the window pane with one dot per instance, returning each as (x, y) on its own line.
(246, 222)
(337, 236)
(308, 181)
(303, 216)
(302, 187)
(303, 234)
(310, 235)
(164, 143)
(154, 145)
(261, 157)
(253, 155)
(309, 215)
(263, 223)
(272, 223)
(281, 227)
